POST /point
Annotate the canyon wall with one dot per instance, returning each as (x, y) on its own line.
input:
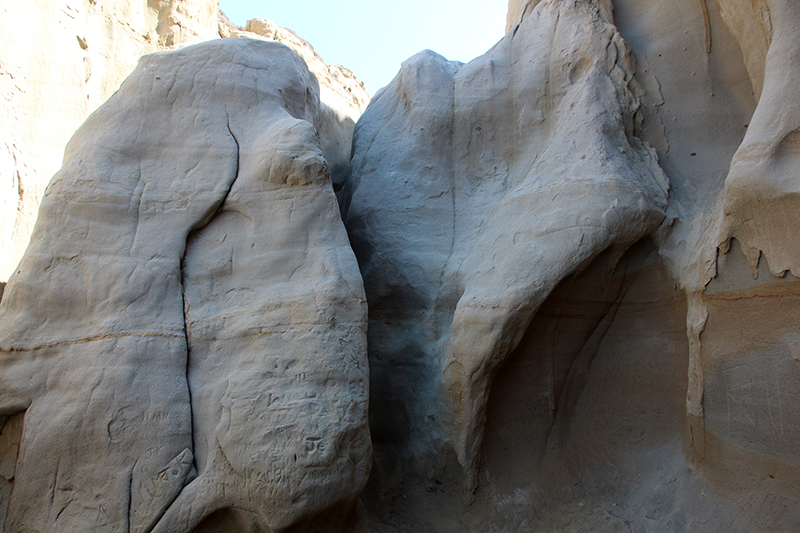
(58, 62)
(536, 368)
(578, 253)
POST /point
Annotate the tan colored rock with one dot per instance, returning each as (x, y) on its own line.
(751, 24)
(73, 54)
(700, 103)
(522, 323)
(186, 332)
(762, 187)
(343, 98)
(58, 62)
(728, 126)
(743, 364)
(476, 189)
(336, 79)
(656, 395)
(517, 10)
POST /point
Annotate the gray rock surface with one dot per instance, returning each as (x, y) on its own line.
(476, 189)
(656, 392)
(579, 251)
(61, 60)
(201, 176)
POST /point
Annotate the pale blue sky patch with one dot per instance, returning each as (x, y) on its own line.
(372, 37)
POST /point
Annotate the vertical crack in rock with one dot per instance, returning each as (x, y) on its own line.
(246, 309)
(190, 304)
(97, 327)
(182, 466)
(706, 24)
(579, 369)
(275, 322)
(130, 501)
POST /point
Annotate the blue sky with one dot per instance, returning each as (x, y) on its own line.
(372, 37)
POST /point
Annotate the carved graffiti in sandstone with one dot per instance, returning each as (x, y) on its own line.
(201, 175)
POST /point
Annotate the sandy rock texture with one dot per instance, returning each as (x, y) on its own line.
(641, 378)
(516, 170)
(183, 345)
(730, 241)
(343, 98)
(579, 251)
(59, 60)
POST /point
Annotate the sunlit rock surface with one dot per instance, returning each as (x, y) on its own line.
(59, 60)
(342, 97)
(186, 332)
(580, 256)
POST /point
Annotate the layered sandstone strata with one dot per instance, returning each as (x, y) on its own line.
(579, 253)
(653, 389)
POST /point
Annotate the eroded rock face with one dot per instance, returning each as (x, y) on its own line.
(761, 190)
(560, 341)
(749, 415)
(186, 332)
(60, 61)
(342, 97)
(476, 189)
(73, 54)
(730, 241)
(658, 394)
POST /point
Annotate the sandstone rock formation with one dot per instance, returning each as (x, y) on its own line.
(729, 244)
(579, 252)
(581, 389)
(762, 186)
(525, 167)
(58, 62)
(73, 54)
(342, 97)
(185, 335)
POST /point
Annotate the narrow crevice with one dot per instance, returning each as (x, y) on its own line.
(188, 351)
(706, 25)
(553, 336)
(580, 369)
(186, 329)
(11, 436)
(130, 497)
